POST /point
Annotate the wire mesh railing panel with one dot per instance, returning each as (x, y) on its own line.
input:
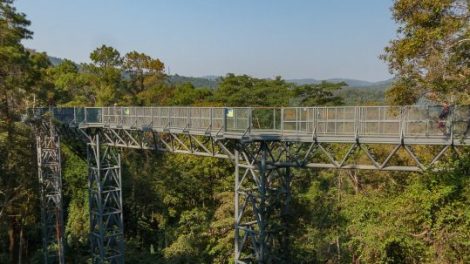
(112, 116)
(461, 121)
(93, 114)
(143, 116)
(128, 116)
(289, 117)
(299, 120)
(179, 117)
(386, 121)
(266, 119)
(200, 118)
(237, 119)
(79, 114)
(306, 120)
(218, 116)
(160, 117)
(426, 121)
(379, 121)
(336, 120)
(64, 115)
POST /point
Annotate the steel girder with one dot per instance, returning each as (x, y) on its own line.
(262, 180)
(381, 157)
(105, 202)
(262, 197)
(262, 185)
(263, 164)
(181, 143)
(50, 180)
(315, 154)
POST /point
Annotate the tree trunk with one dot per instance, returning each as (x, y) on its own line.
(13, 242)
(20, 248)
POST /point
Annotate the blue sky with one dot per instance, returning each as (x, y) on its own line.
(293, 38)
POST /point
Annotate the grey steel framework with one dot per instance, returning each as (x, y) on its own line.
(262, 195)
(105, 201)
(50, 180)
(264, 144)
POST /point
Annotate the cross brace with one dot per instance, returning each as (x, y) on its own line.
(263, 173)
(105, 203)
(262, 197)
(50, 180)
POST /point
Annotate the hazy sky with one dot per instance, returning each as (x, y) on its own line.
(264, 38)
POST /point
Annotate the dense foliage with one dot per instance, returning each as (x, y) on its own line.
(431, 56)
(179, 209)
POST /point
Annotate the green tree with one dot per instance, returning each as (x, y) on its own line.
(140, 67)
(431, 54)
(18, 199)
(319, 94)
(185, 94)
(105, 75)
(70, 86)
(243, 90)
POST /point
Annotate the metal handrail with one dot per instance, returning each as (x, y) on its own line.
(331, 121)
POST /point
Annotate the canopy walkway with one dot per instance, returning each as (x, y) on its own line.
(263, 143)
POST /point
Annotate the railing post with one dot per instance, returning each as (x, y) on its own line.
(402, 122)
(188, 124)
(121, 116)
(452, 120)
(274, 121)
(151, 117)
(297, 120)
(102, 114)
(356, 121)
(224, 119)
(211, 117)
(169, 117)
(428, 120)
(315, 119)
(282, 120)
(135, 116)
(250, 119)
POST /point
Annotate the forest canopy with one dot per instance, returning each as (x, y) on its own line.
(179, 209)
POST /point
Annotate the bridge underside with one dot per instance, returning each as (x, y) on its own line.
(263, 163)
(358, 154)
(263, 173)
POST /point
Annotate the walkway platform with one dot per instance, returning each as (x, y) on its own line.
(343, 124)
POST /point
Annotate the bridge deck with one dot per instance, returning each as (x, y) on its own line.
(367, 124)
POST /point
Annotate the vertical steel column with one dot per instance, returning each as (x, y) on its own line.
(105, 201)
(262, 196)
(50, 179)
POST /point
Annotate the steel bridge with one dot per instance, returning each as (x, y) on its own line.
(264, 144)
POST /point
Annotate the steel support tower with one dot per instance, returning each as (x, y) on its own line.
(105, 202)
(262, 197)
(265, 144)
(50, 179)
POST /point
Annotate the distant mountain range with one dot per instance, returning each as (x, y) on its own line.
(198, 82)
(353, 83)
(55, 61)
(212, 81)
